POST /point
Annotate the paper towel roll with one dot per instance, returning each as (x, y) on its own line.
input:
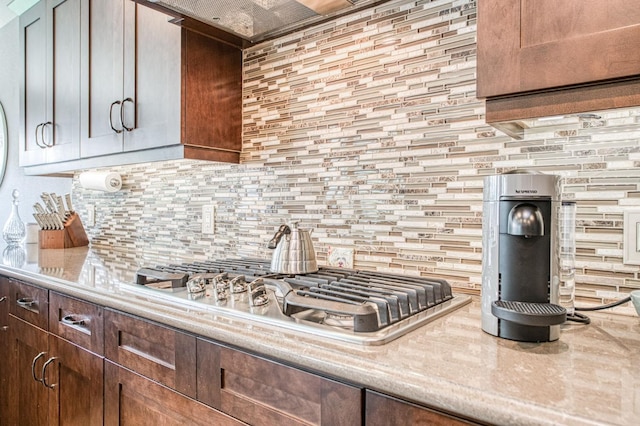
(101, 181)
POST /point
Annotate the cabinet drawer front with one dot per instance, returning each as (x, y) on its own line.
(131, 399)
(77, 321)
(257, 391)
(155, 351)
(29, 303)
(384, 410)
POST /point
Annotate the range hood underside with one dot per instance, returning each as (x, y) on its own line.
(254, 21)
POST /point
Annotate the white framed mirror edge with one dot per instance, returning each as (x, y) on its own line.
(4, 144)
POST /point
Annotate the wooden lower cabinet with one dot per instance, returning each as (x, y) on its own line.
(28, 398)
(71, 362)
(263, 392)
(5, 384)
(158, 352)
(131, 399)
(70, 392)
(53, 381)
(74, 382)
(383, 410)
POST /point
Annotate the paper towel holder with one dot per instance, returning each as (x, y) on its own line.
(101, 181)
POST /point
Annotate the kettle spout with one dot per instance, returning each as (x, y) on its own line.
(273, 243)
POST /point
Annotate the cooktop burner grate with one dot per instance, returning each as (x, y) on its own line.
(371, 307)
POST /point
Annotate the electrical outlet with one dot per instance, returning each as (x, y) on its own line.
(91, 215)
(208, 219)
(340, 257)
(631, 232)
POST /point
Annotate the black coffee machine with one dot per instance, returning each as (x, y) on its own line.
(520, 269)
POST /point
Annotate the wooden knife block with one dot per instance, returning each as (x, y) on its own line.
(73, 235)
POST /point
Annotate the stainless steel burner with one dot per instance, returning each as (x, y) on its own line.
(355, 306)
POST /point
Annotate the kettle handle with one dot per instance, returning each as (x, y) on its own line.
(273, 243)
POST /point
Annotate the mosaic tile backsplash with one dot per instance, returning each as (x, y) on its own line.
(367, 130)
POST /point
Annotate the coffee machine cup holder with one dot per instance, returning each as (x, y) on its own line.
(526, 313)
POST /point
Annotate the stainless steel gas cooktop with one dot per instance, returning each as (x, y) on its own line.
(368, 308)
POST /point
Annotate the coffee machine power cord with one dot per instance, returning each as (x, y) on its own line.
(581, 318)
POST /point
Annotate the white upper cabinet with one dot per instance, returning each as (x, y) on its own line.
(133, 84)
(50, 85)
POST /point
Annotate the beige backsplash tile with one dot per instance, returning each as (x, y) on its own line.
(382, 150)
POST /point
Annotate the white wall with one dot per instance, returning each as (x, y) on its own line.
(30, 187)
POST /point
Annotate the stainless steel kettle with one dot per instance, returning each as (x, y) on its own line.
(294, 252)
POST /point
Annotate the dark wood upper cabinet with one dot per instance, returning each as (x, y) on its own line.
(211, 99)
(543, 57)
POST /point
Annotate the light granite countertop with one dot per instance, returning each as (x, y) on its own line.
(590, 376)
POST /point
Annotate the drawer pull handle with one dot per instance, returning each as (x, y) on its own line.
(44, 373)
(70, 320)
(25, 302)
(3, 298)
(33, 366)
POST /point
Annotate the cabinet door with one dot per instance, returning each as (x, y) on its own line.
(63, 89)
(382, 410)
(152, 79)
(27, 395)
(33, 87)
(5, 384)
(103, 58)
(50, 36)
(259, 391)
(165, 355)
(74, 381)
(212, 96)
(133, 100)
(528, 45)
(131, 399)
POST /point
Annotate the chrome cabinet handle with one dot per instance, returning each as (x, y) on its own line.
(25, 302)
(3, 298)
(70, 320)
(111, 116)
(33, 366)
(128, 129)
(44, 373)
(44, 142)
(38, 140)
